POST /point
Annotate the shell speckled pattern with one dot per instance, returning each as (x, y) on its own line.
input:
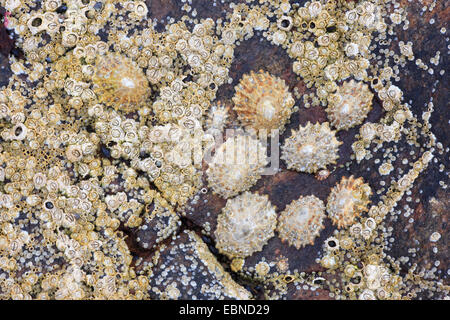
(245, 225)
(119, 82)
(311, 148)
(347, 200)
(263, 101)
(301, 222)
(349, 106)
(236, 165)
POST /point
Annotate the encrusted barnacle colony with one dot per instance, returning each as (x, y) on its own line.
(349, 105)
(159, 223)
(347, 200)
(119, 82)
(263, 101)
(300, 223)
(236, 165)
(311, 148)
(245, 225)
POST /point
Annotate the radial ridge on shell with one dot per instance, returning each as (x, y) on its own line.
(263, 102)
(311, 148)
(301, 222)
(236, 166)
(119, 82)
(245, 225)
(347, 200)
(349, 105)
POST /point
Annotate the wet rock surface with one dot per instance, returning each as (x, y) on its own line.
(186, 269)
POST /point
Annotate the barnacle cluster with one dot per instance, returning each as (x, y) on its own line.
(312, 147)
(107, 115)
(263, 102)
(300, 223)
(157, 224)
(245, 225)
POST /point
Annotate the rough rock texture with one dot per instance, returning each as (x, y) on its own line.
(186, 269)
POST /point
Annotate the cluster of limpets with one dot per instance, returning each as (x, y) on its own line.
(103, 126)
(245, 219)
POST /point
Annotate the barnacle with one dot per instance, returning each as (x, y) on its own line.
(119, 82)
(74, 153)
(217, 119)
(245, 225)
(322, 174)
(311, 148)
(236, 165)
(300, 223)
(347, 200)
(350, 105)
(263, 101)
(262, 268)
